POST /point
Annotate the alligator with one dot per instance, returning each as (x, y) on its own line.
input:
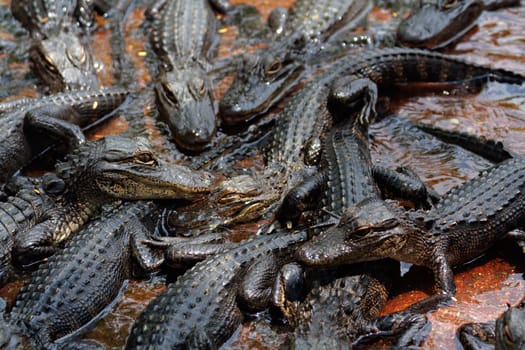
(60, 54)
(346, 312)
(202, 305)
(347, 177)
(508, 332)
(184, 38)
(30, 125)
(95, 174)
(267, 76)
(484, 209)
(310, 113)
(74, 287)
(438, 23)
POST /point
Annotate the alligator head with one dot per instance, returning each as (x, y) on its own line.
(366, 232)
(184, 98)
(63, 62)
(510, 329)
(261, 82)
(439, 22)
(126, 168)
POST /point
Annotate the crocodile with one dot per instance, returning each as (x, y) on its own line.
(95, 174)
(184, 38)
(438, 23)
(30, 125)
(201, 305)
(73, 287)
(508, 332)
(268, 75)
(484, 209)
(60, 54)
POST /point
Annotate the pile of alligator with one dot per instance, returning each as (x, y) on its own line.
(258, 196)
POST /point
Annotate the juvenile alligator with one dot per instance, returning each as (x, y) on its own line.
(508, 332)
(78, 283)
(184, 38)
(200, 309)
(309, 114)
(346, 312)
(30, 125)
(467, 221)
(269, 75)
(95, 174)
(438, 23)
(60, 54)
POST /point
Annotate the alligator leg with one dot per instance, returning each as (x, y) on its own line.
(403, 183)
(35, 244)
(444, 279)
(410, 328)
(301, 198)
(477, 336)
(149, 259)
(56, 122)
(256, 287)
(349, 92)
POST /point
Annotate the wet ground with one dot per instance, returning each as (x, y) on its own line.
(485, 287)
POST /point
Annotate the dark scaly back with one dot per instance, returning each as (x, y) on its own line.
(404, 65)
(202, 302)
(304, 118)
(76, 284)
(184, 30)
(483, 208)
(348, 167)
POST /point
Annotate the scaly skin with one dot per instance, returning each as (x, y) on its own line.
(264, 79)
(60, 55)
(438, 23)
(464, 223)
(201, 305)
(507, 333)
(99, 173)
(31, 125)
(76, 284)
(183, 36)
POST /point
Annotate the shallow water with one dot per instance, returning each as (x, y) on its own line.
(485, 287)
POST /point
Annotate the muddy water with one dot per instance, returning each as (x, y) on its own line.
(485, 286)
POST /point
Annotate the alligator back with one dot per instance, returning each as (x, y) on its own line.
(481, 210)
(184, 30)
(348, 168)
(200, 307)
(317, 20)
(76, 284)
(47, 17)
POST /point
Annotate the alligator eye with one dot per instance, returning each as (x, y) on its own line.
(169, 93)
(202, 89)
(362, 231)
(389, 223)
(144, 158)
(508, 335)
(50, 64)
(274, 68)
(449, 3)
(77, 56)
